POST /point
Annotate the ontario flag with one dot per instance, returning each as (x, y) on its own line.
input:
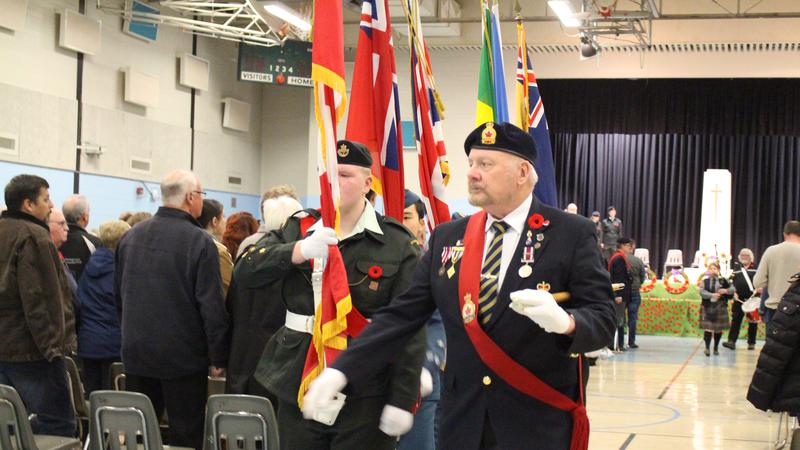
(530, 109)
(374, 117)
(434, 170)
(334, 316)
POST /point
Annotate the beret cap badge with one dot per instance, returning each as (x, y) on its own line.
(343, 151)
(489, 136)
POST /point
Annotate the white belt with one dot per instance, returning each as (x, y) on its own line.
(299, 322)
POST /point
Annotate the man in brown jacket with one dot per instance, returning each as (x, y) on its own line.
(37, 320)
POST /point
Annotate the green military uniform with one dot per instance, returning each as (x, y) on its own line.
(375, 241)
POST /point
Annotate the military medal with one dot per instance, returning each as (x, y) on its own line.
(537, 245)
(441, 271)
(527, 259)
(528, 238)
(539, 237)
(468, 310)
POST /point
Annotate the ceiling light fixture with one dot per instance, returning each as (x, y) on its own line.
(291, 16)
(565, 13)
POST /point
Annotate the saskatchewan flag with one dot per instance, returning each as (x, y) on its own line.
(492, 100)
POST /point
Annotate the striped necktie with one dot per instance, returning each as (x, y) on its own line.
(490, 273)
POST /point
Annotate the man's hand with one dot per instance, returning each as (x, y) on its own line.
(618, 300)
(315, 245)
(216, 372)
(395, 421)
(322, 390)
(541, 307)
(714, 297)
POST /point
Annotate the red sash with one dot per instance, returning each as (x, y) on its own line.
(617, 254)
(492, 355)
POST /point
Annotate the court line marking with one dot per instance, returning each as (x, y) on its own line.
(680, 371)
(675, 413)
(628, 441)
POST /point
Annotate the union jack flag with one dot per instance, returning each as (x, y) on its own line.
(531, 117)
(434, 170)
(374, 116)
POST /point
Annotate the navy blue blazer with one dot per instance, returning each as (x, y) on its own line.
(568, 260)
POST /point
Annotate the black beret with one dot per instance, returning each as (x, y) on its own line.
(595, 213)
(623, 240)
(353, 153)
(410, 199)
(610, 208)
(504, 137)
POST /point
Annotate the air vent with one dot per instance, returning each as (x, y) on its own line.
(234, 180)
(8, 144)
(140, 165)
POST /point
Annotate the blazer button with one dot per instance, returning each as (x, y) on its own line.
(487, 380)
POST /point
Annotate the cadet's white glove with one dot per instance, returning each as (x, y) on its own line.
(316, 244)
(395, 421)
(322, 390)
(425, 383)
(541, 307)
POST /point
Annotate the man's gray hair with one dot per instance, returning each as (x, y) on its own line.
(277, 210)
(176, 185)
(75, 206)
(748, 252)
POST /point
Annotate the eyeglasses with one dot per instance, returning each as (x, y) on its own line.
(202, 193)
(62, 223)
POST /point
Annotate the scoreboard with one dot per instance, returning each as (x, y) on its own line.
(289, 64)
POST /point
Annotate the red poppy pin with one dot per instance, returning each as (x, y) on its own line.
(375, 272)
(536, 221)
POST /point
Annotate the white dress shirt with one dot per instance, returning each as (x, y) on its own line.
(516, 223)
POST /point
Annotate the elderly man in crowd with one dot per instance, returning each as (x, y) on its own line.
(80, 244)
(174, 323)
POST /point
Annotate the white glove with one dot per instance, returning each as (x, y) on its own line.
(322, 390)
(541, 307)
(425, 383)
(395, 421)
(316, 244)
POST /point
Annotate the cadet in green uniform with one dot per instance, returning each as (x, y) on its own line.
(379, 254)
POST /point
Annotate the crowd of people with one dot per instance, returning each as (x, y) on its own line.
(471, 336)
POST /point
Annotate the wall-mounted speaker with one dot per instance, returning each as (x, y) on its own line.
(79, 33)
(236, 114)
(193, 72)
(140, 88)
(13, 14)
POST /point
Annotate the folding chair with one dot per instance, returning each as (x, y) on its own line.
(15, 427)
(121, 420)
(240, 422)
(117, 373)
(79, 403)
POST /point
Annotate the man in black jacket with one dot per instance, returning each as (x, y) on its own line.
(620, 270)
(174, 323)
(513, 374)
(80, 244)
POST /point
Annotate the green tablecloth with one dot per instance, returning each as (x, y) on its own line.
(662, 313)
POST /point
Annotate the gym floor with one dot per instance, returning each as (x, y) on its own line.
(668, 395)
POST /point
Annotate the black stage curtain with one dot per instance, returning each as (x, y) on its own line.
(643, 146)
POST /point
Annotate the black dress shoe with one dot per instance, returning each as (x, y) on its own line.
(633, 345)
(716, 352)
(707, 352)
(729, 345)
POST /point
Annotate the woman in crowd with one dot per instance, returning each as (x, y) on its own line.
(212, 219)
(239, 226)
(715, 292)
(99, 329)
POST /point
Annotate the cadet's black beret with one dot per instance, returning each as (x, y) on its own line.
(353, 153)
(610, 208)
(595, 213)
(623, 240)
(504, 137)
(410, 199)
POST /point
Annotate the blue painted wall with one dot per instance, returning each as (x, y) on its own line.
(109, 196)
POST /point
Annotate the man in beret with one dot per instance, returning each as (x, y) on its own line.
(379, 255)
(513, 375)
(612, 230)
